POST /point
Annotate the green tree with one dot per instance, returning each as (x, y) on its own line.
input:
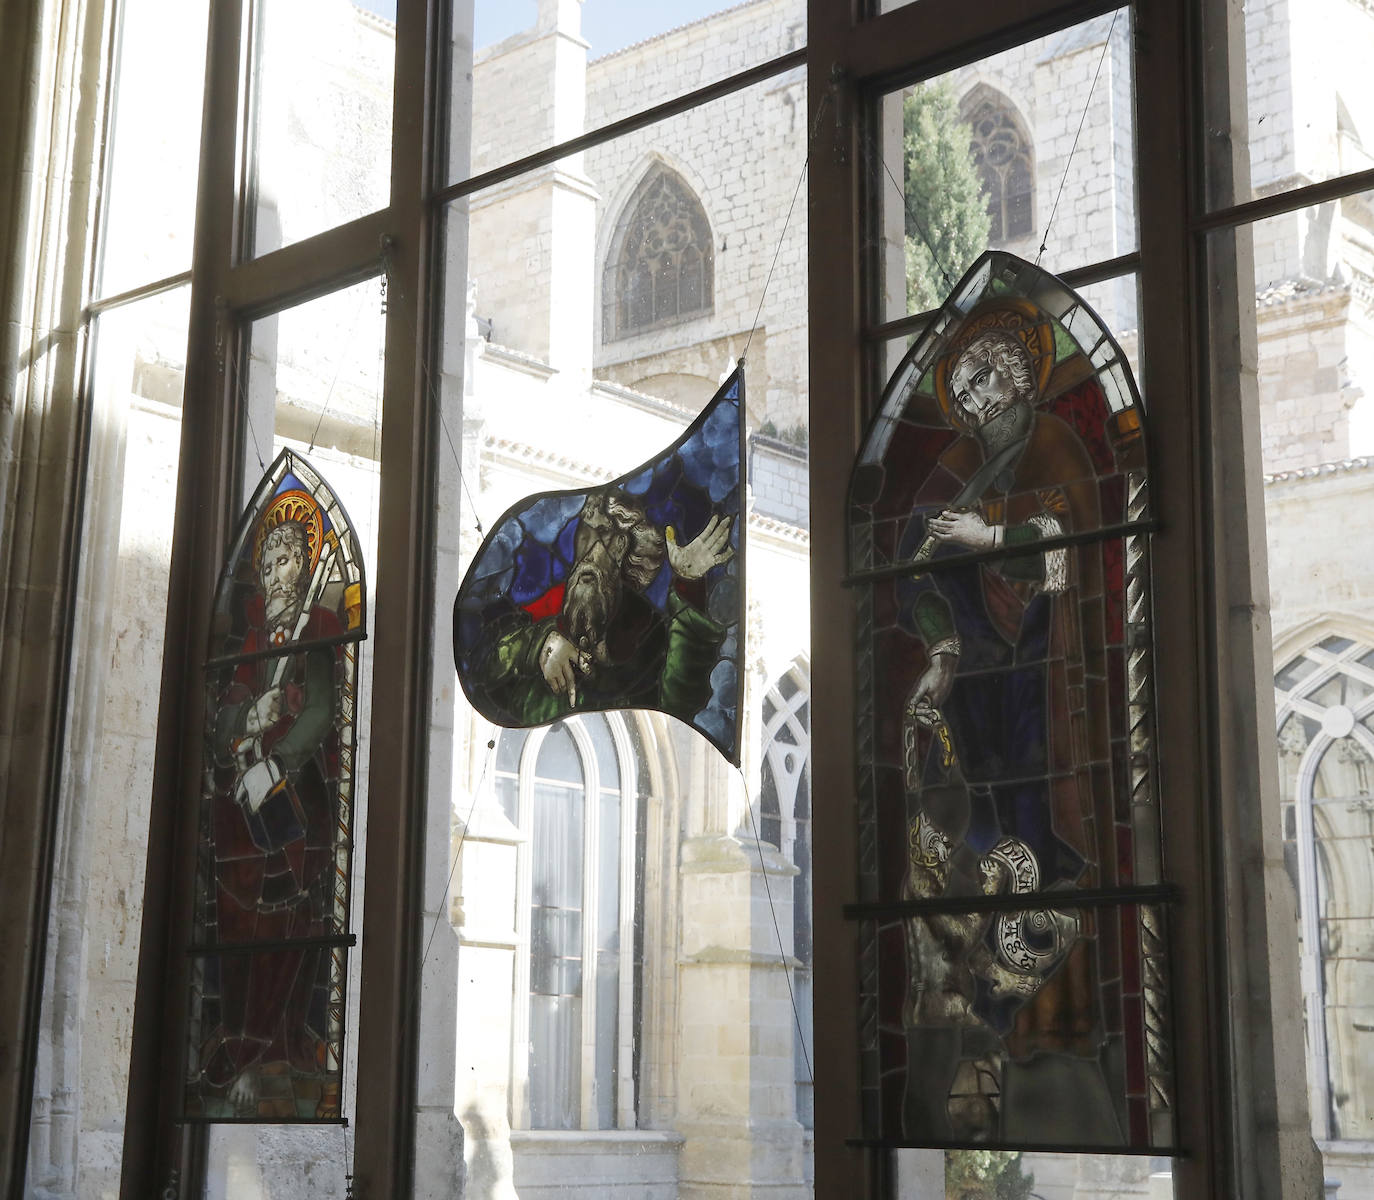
(986, 1175)
(945, 209)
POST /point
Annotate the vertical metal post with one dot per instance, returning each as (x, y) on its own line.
(206, 497)
(403, 650)
(836, 319)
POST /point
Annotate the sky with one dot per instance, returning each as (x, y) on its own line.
(607, 24)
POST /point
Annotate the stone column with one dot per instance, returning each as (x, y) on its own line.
(736, 1090)
(51, 85)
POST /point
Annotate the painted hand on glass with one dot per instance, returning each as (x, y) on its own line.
(265, 711)
(932, 688)
(964, 527)
(561, 661)
(708, 549)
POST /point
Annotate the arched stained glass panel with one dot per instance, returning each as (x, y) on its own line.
(270, 941)
(999, 521)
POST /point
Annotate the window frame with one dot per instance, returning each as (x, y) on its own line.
(1231, 983)
(1193, 294)
(228, 290)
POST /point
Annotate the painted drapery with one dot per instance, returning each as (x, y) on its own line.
(269, 960)
(999, 521)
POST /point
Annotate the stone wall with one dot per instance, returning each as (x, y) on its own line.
(1315, 570)
(1306, 390)
(742, 156)
(779, 481)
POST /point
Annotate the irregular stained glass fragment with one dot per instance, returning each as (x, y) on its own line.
(625, 595)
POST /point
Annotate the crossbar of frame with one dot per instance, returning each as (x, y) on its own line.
(1098, 272)
(934, 566)
(640, 120)
(143, 292)
(1159, 893)
(288, 648)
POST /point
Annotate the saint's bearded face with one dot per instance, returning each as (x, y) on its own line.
(592, 597)
(981, 389)
(281, 574)
(617, 546)
(992, 374)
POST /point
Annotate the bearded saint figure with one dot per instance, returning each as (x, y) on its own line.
(608, 646)
(1000, 752)
(276, 753)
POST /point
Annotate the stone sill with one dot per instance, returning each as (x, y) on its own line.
(595, 1141)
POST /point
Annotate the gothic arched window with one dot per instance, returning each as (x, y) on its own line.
(1324, 699)
(570, 789)
(1005, 162)
(660, 267)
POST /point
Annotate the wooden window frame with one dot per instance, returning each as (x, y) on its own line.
(1236, 1053)
(1192, 270)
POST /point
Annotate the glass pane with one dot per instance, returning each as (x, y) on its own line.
(992, 156)
(1007, 700)
(1309, 116)
(607, 764)
(313, 386)
(543, 72)
(321, 117)
(553, 402)
(118, 625)
(555, 1062)
(935, 1174)
(154, 144)
(558, 757)
(1343, 835)
(1314, 425)
(958, 1062)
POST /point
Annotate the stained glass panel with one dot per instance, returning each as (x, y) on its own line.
(269, 960)
(999, 547)
(625, 595)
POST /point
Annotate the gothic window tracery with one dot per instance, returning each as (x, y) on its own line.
(1004, 160)
(785, 823)
(1324, 697)
(660, 270)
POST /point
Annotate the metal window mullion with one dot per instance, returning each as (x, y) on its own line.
(837, 270)
(1166, 86)
(404, 641)
(919, 40)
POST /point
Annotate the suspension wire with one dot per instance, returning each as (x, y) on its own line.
(1087, 103)
(342, 360)
(777, 930)
(782, 236)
